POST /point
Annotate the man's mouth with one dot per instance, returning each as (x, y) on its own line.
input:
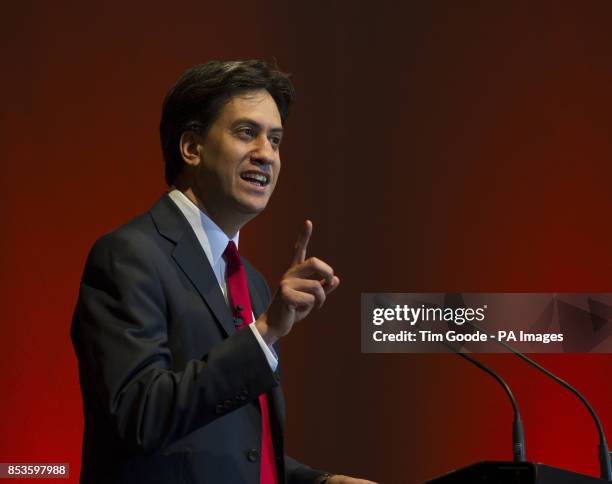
(256, 178)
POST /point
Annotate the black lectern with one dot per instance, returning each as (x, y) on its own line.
(490, 472)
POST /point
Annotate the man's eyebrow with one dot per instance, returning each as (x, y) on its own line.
(255, 124)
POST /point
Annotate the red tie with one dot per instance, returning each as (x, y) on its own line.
(243, 314)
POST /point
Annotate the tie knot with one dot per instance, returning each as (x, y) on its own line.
(231, 255)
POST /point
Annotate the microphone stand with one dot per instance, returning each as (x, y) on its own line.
(518, 435)
(605, 465)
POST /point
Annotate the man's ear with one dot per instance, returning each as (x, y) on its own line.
(190, 148)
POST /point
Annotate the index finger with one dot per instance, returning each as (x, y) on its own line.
(302, 243)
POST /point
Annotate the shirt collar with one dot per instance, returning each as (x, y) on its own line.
(213, 239)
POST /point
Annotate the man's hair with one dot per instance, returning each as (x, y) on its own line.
(195, 101)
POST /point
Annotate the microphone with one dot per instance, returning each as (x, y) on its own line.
(518, 436)
(605, 465)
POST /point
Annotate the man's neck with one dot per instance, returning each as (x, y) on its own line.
(229, 228)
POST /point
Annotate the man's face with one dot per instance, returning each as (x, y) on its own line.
(239, 159)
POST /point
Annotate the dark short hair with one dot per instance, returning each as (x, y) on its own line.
(198, 96)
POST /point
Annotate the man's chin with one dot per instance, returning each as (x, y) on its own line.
(252, 209)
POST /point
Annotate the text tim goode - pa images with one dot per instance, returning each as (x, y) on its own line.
(424, 336)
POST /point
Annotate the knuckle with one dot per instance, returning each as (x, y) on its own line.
(285, 287)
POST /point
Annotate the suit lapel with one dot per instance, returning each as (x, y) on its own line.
(190, 257)
(257, 304)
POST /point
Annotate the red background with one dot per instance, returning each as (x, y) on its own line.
(436, 147)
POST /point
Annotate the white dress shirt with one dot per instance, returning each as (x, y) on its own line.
(214, 241)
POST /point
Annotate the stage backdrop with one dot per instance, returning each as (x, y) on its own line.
(438, 146)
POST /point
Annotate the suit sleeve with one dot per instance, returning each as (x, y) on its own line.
(119, 332)
(298, 473)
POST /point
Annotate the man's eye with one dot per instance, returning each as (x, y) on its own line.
(246, 132)
(275, 140)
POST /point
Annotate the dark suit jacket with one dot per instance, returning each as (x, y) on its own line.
(169, 387)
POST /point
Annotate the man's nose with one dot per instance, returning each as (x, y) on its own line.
(264, 153)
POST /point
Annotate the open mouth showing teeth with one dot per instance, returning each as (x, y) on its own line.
(256, 178)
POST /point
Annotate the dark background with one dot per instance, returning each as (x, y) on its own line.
(437, 146)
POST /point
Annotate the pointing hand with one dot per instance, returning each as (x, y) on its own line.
(304, 286)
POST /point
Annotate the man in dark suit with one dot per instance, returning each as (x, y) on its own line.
(176, 334)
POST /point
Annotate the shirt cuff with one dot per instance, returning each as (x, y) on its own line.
(268, 350)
